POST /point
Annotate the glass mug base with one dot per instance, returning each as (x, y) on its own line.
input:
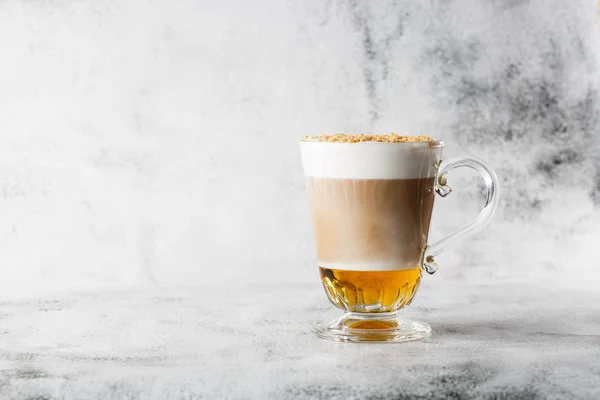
(373, 328)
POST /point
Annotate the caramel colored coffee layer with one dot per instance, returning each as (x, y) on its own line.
(371, 224)
(361, 137)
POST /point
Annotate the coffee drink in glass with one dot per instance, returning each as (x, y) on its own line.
(371, 199)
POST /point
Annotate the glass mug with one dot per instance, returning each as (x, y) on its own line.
(371, 206)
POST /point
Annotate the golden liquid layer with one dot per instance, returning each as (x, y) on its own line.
(370, 291)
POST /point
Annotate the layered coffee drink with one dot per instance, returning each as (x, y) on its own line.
(371, 200)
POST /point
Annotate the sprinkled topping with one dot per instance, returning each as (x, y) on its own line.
(361, 137)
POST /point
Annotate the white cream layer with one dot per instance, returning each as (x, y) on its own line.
(383, 266)
(370, 160)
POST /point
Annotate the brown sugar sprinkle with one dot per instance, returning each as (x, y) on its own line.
(361, 137)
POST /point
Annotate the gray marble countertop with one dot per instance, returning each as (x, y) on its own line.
(500, 341)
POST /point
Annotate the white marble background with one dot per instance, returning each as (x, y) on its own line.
(156, 141)
(155, 240)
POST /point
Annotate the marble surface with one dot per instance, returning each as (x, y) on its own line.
(155, 240)
(505, 340)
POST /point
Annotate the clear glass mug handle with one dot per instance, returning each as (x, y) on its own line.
(486, 214)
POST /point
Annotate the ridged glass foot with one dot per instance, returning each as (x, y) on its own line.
(375, 327)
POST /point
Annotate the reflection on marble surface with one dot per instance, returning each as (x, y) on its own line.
(499, 340)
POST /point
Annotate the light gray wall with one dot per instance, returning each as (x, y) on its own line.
(156, 141)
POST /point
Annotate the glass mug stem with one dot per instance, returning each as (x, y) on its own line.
(382, 327)
(485, 215)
